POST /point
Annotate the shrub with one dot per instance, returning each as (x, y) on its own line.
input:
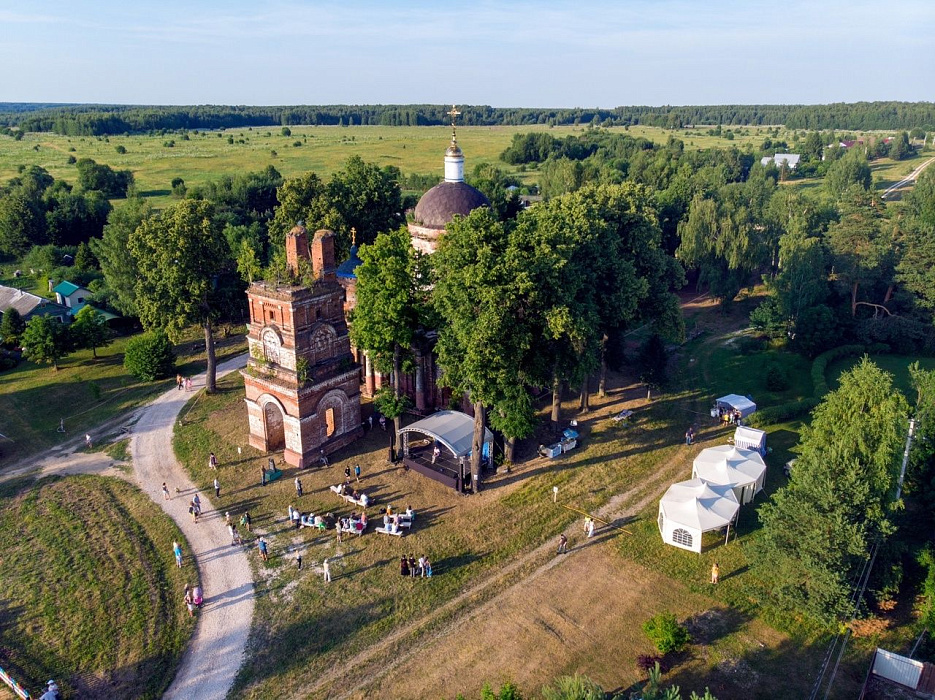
(120, 149)
(782, 413)
(777, 378)
(150, 356)
(647, 662)
(746, 345)
(666, 633)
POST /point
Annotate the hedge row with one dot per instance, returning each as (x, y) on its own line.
(796, 409)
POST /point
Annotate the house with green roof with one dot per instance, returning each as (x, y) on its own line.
(72, 296)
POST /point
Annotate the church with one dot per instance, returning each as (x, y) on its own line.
(303, 379)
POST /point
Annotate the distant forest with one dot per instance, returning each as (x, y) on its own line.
(99, 120)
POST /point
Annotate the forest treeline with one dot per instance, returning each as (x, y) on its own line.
(99, 120)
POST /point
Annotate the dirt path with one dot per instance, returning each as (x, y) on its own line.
(214, 656)
(896, 189)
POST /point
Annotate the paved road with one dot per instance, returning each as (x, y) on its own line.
(908, 180)
(216, 651)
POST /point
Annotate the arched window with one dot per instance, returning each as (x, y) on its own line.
(271, 346)
(329, 422)
(682, 537)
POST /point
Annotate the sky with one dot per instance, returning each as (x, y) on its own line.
(580, 53)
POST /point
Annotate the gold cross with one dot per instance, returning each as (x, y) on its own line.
(453, 113)
(353, 236)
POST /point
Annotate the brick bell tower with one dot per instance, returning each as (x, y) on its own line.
(302, 385)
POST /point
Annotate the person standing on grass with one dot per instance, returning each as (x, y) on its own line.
(245, 521)
(177, 550)
(165, 491)
(189, 601)
(413, 572)
(232, 532)
(264, 552)
(298, 560)
(217, 487)
(326, 570)
(298, 487)
(403, 566)
(715, 573)
(347, 473)
(590, 527)
(337, 528)
(357, 472)
(213, 461)
(562, 544)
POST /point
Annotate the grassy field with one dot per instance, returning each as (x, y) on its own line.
(92, 596)
(305, 631)
(896, 365)
(208, 155)
(84, 391)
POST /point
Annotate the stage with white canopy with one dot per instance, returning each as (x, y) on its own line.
(744, 471)
(691, 508)
(738, 403)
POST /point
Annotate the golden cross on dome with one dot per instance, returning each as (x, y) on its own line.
(353, 236)
(453, 113)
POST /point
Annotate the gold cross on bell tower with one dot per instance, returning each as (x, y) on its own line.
(453, 113)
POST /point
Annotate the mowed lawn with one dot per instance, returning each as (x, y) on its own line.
(307, 634)
(85, 392)
(91, 593)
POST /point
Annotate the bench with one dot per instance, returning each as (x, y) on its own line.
(272, 475)
(388, 531)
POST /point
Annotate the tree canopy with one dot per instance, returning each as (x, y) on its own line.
(818, 531)
(181, 256)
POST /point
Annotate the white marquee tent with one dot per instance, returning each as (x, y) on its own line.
(742, 470)
(691, 508)
(750, 439)
(740, 403)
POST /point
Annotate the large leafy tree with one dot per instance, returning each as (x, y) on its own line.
(46, 340)
(112, 251)
(482, 295)
(723, 238)
(863, 249)
(90, 329)
(634, 278)
(362, 196)
(22, 222)
(12, 326)
(389, 307)
(181, 256)
(560, 244)
(847, 172)
(818, 531)
(916, 269)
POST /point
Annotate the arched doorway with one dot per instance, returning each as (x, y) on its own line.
(275, 430)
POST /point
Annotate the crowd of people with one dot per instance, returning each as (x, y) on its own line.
(409, 566)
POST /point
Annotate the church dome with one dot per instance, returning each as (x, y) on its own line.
(440, 204)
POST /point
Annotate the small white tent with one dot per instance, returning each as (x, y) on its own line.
(750, 439)
(740, 403)
(742, 470)
(691, 508)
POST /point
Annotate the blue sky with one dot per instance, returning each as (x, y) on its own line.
(538, 54)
